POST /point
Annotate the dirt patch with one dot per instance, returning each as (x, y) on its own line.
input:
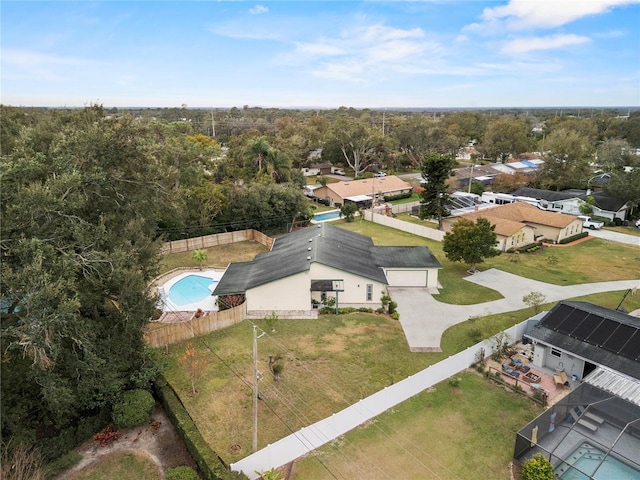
(158, 439)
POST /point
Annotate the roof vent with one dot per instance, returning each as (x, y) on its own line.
(311, 239)
(319, 234)
(308, 258)
(319, 226)
(309, 248)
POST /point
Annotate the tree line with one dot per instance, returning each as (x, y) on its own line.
(88, 195)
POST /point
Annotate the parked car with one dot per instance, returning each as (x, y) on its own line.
(588, 222)
(338, 172)
(379, 174)
(637, 223)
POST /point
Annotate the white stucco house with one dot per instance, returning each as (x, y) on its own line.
(308, 266)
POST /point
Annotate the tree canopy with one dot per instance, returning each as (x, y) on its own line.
(435, 199)
(470, 242)
(80, 205)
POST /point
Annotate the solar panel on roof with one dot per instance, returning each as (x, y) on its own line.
(586, 327)
(557, 315)
(632, 348)
(572, 321)
(619, 338)
(602, 332)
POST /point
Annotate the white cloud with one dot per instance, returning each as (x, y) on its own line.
(360, 51)
(531, 14)
(530, 44)
(258, 9)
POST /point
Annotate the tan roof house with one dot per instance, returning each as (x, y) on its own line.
(362, 191)
(519, 224)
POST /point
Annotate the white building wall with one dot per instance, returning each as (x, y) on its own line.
(290, 293)
(355, 286)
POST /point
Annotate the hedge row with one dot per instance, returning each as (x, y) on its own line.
(400, 196)
(573, 238)
(209, 463)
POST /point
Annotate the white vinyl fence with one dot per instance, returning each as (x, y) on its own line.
(419, 230)
(320, 433)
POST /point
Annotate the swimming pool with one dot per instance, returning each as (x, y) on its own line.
(189, 291)
(588, 463)
(326, 216)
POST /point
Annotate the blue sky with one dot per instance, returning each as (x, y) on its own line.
(372, 54)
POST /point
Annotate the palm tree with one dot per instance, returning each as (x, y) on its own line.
(199, 256)
(258, 150)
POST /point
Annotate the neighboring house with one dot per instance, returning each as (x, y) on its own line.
(320, 262)
(362, 192)
(325, 168)
(569, 201)
(597, 350)
(518, 224)
(579, 337)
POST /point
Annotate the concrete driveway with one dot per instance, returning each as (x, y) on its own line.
(424, 319)
(616, 236)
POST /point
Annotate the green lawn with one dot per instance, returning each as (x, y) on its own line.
(345, 358)
(219, 256)
(127, 465)
(425, 437)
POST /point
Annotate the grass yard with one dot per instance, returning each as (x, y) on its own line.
(126, 465)
(219, 256)
(425, 437)
(334, 361)
(595, 260)
(630, 230)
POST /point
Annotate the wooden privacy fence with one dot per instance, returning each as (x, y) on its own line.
(158, 334)
(189, 244)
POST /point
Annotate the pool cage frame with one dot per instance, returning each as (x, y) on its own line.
(556, 434)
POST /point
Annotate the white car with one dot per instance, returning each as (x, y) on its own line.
(379, 174)
(638, 223)
(338, 172)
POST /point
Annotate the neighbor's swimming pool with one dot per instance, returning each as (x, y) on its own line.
(191, 289)
(324, 216)
(586, 462)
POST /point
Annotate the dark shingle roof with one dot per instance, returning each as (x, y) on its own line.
(603, 201)
(405, 257)
(600, 335)
(331, 246)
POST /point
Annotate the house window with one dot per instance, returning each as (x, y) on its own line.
(369, 292)
(556, 353)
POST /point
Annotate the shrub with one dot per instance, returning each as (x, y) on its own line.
(537, 468)
(454, 382)
(395, 315)
(182, 473)
(135, 408)
(400, 196)
(392, 307)
(573, 238)
(532, 247)
(475, 334)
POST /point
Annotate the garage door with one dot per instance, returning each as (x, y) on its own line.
(407, 278)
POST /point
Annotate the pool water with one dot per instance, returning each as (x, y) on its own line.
(191, 289)
(324, 216)
(587, 458)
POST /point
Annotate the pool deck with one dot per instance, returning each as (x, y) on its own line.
(208, 304)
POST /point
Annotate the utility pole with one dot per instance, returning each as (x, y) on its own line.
(471, 177)
(255, 387)
(213, 125)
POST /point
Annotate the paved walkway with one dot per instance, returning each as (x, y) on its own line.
(424, 319)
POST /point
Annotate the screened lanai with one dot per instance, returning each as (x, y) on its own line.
(593, 433)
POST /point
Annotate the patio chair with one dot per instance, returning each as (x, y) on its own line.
(509, 370)
(516, 362)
